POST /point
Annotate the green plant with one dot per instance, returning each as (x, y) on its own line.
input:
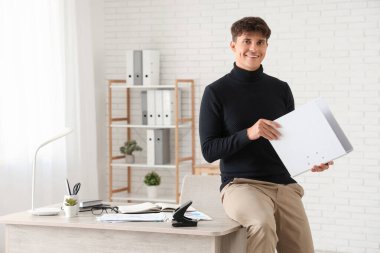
(129, 147)
(152, 178)
(70, 202)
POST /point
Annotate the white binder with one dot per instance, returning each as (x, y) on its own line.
(151, 67)
(134, 67)
(158, 99)
(144, 108)
(142, 67)
(161, 146)
(310, 135)
(137, 67)
(129, 67)
(169, 106)
(150, 155)
(158, 146)
(151, 107)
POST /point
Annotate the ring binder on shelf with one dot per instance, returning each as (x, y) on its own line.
(158, 146)
(143, 67)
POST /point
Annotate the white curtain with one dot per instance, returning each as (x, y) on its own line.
(46, 83)
(80, 103)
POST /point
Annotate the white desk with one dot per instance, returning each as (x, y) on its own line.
(27, 233)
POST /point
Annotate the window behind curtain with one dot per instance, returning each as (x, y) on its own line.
(32, 95)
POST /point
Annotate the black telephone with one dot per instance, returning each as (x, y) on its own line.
(179, 218)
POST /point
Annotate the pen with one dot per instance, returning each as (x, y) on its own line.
(68, 186)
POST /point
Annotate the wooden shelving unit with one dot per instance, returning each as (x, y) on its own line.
(126, 122)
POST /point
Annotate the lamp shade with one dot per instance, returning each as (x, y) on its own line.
(45, 211)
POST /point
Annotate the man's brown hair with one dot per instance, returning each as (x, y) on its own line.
(250, 24)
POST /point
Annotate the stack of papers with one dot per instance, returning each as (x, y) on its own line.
(148, 211)
(150, 217)
(133, 217)
(148, 207)
(196, 215)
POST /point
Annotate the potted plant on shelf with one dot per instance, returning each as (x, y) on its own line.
(152, 181)
(128, 148)
(70, 207)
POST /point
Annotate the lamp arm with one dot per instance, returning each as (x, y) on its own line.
(65, 132)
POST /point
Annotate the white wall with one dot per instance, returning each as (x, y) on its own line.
(321, 48)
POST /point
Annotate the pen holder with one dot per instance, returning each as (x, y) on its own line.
(73, 209)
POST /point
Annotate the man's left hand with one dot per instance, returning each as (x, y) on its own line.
(322, 167)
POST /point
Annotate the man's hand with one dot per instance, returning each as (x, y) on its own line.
(264, 128)
(322, 167)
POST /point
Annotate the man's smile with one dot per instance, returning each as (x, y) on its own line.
(252, 56)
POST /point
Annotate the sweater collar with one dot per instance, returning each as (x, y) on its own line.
(246, 75)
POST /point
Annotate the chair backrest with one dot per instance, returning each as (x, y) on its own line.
(205, 194)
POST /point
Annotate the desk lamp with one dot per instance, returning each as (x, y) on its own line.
(45, 211)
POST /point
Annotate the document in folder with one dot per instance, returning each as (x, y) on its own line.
(310, 135)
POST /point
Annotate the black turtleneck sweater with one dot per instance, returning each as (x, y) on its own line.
(229, 106)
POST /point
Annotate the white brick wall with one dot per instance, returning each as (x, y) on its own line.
(326, 48)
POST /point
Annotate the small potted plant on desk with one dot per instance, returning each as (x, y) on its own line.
(70, 207)
(152, 181)
(128, 148)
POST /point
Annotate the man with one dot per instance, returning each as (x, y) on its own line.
(235, 125)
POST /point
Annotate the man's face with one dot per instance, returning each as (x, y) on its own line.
(249, 49)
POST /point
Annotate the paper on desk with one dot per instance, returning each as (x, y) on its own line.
(196, 215)
(310, 135)
(133, 217)
(148, 207)
(145, 207)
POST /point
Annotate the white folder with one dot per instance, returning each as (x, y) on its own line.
(150, 153)
(169, 106)
(310, 135)
(137, 67)
(151, 67)
(161, 146)
(144, 108)
(158, 97)
(151, 107)
(129, 67)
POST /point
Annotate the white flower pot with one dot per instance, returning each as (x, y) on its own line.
(152, 191)
(71, 197)
(70, 211)
(129, 158)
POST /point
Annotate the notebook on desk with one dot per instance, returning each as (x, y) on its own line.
(310, 135)
(148, 207)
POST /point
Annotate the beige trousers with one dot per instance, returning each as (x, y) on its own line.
(272, 213)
